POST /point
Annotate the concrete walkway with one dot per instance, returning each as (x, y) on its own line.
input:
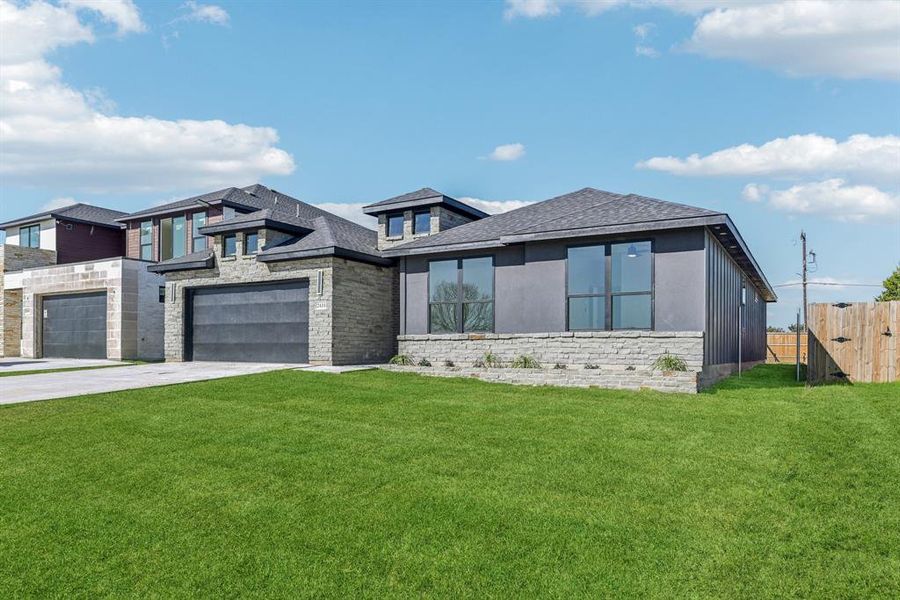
(46, 386)
(8, 365)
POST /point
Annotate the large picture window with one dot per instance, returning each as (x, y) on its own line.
(610, 286)
(30, 236)
(461, 295)
(147, 240)
(172, 237)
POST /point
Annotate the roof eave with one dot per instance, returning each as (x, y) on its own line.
(265, 257)
(193, 265)
(225, 227)
(168, 211)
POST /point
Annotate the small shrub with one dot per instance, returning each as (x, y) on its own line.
(630, 368)
(591, 366)
(449, 363)
(491, 361)
(524, 361)
(424, 363)
(478, 364)
(559, 366)
(401, 359)
(669, 362)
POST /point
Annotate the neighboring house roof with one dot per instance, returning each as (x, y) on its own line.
(80, 213)
(316, 232)
(422, 198)
(586, 212)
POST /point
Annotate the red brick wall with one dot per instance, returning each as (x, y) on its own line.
(77, 242)
(133, 240)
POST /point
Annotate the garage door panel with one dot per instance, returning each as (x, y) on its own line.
(251, 323)
(74, 326)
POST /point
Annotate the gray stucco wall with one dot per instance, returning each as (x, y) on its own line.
(530, 285)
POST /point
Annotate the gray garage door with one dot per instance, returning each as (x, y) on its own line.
(74, 326)
(250, 323)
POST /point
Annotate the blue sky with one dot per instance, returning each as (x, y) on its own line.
(369, 100)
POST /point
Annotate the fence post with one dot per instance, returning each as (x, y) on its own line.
(798, 345)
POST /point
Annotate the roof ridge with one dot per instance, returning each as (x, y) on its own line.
(681, 204)
(614, 197)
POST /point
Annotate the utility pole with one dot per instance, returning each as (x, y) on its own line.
(803, 243)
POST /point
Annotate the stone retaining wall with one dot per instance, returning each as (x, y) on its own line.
(637, 349)
(684, 382)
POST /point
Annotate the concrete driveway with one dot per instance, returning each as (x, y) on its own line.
(9, 365)
(46, 386)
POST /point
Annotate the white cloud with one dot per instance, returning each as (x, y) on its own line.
(860, 154)
(811, 38)
(204, 13)
(646, 51)
(507, 152)
(834, 199)
(352, 211)
(51, 131)
(754, 192)
(58, 203)
(121, 13)
(840, 38)
(495, 207)
(643, 30)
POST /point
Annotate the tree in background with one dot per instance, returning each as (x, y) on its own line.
(773, 329)
(891, 287)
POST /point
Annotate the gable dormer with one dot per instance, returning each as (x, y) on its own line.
(418, 214)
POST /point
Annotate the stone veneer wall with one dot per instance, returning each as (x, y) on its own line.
(353, 320)
(16, 258)
(119, 278)
(620, 349)
(441, 220)
(245, 269)
(366, 312)
(685, 382)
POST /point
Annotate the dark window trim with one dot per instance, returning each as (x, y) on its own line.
(197, 236)
(141, 244)
(417, 213)
(459, 283)
(28, 228)
(256, 250)
(608, 294)
(162, 294)
(387, 225)
(225, 244)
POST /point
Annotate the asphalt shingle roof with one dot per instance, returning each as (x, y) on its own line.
(86, 213)
(585, 208)
(421, 194)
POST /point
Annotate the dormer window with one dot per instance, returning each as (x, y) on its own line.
(30, 236)
(422, 222)
(229, 245)
(395, 225)
(251, 242)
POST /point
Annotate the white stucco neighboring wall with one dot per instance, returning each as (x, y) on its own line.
(48, 234)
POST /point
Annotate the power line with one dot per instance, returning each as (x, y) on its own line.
(829, 283)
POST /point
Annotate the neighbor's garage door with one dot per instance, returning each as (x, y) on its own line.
(250, 323)
(74, 326)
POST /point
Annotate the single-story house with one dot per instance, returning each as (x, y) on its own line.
(589, 278)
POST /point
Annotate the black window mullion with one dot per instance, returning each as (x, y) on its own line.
(607, 308)
(459, 296)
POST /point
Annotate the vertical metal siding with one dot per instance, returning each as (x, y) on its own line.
(723, 301)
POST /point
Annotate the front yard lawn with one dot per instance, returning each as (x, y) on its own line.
(293, 484)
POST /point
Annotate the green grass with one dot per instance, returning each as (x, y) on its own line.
(64, 370)
(370, 484)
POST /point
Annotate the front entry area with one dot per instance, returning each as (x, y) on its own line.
(249, 323)
(74, 326)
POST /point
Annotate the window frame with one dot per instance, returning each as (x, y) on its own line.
(29, 228)
(387, 225)
(459, 302)
(608, 294)
(417, 213)
(225, 237)
(141, 244)
(198, 236)
(162, 248)
(255, 251)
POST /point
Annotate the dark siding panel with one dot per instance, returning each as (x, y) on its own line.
(723, 309)
(77, 242)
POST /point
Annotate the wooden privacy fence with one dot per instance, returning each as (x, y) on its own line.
(781, 347)
(854, 342)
